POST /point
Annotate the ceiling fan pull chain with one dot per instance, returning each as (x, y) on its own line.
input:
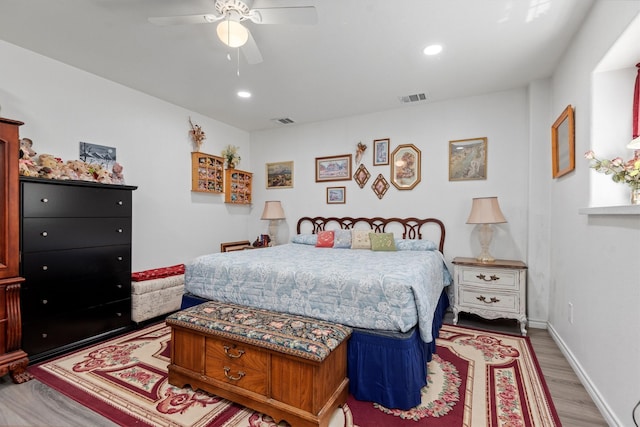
(238, 65)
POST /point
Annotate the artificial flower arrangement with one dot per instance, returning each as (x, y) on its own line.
(230, 154)
(624, 172)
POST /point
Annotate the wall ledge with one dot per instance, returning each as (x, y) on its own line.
(611, 210)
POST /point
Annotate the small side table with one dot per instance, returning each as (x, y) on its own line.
(491, 290)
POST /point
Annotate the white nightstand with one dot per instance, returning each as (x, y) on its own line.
(491, 290)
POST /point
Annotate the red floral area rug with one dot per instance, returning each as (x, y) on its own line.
(477, 378)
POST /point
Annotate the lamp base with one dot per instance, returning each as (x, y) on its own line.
(273, 226)
(485, 236)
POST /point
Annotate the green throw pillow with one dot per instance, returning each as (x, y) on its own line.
(382, 242)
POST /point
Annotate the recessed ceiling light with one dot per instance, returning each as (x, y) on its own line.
(244, 94)
(433, 49)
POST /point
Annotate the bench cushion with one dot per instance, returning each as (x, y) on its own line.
(158, 273)
(299, 336)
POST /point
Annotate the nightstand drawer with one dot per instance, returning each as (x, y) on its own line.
(488, 300)
(490, 278)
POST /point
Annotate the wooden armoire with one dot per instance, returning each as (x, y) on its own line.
(12, 359)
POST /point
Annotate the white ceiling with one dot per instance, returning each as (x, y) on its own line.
(360, 57)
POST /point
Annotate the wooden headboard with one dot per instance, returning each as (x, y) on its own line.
(409, 228)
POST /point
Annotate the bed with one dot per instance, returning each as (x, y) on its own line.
(394, 299)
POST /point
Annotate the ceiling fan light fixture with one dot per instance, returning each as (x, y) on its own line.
(232, 33)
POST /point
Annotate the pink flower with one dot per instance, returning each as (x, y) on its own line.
(590, 155)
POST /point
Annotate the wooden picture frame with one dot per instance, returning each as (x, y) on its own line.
(333, 168)
(468, 159)
(279, 174)
(380, 186)
(405, 167)
(361, 176)
(235, 246)
(336, 195)
(563, 155)
(380, 152)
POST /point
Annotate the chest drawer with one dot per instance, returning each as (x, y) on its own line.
(45, 234)
(69, 263)
(499, 279)
(51, 200)
(237, 364)
(485, 299)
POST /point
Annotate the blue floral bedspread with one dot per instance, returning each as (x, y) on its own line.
(360, 288)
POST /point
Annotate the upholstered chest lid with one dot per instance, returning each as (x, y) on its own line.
(285, 333)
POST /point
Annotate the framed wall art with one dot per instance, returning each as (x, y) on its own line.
(468, 159)
(361, 176)
(380, 186)
(380, 152)
(336, 195)
(279, 175)
(333, 168)
(563, 156)
(405, 167)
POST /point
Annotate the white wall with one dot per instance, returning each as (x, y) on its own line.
(501, 117)
(594, 259)
(61, 106)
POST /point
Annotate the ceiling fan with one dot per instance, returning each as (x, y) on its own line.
(231, 13)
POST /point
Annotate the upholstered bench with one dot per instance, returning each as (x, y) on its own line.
(156, 292)
(290, 367)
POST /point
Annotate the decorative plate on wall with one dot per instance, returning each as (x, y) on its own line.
(380, 186)
(361, 176)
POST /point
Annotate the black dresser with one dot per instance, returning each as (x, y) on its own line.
(76, 260)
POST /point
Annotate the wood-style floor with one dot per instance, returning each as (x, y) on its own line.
(34, 404)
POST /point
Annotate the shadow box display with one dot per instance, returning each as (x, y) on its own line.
(206, 173)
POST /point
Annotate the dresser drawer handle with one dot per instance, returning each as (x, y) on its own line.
(118, 314)
(484, 299)
(45, 301)
(44, 234)
(120, 203)
(45, 335)
(45, 200)
(119, 286)
(231, 377)
(45, 268)
(490, 279)
(119, 230)
(120, 258)
(233, 356)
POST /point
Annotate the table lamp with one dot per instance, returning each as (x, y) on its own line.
(273, 212)
(485, 211)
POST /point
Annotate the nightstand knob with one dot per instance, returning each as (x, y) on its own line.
(231, 355)
(231, 377)
(490, 279)
(490, 301)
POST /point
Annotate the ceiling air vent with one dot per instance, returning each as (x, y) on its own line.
(283, 121)
(413, 98)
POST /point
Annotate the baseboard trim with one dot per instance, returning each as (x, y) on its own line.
(604, 409)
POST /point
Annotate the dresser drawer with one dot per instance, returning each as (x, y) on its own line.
(67, 328)
(486, 299)
(237, 364)
(489, 278)
(51, 200)
(53, 265)
(45, 234)
(42, 299)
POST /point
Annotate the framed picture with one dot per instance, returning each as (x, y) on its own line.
(361, 176)
(279, 175)
(405, 167)
(468, 159)
(336, 195)
(563, 155)
(380, 186)
(380, 152)
(334, 168)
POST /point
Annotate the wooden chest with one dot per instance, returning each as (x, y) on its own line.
(289, 367)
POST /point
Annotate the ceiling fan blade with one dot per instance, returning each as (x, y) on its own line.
(303, 15)
(187, 19)
(251, 52)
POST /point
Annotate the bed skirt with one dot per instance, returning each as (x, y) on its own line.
(386, 368)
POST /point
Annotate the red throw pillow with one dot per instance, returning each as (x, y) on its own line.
(325, 239)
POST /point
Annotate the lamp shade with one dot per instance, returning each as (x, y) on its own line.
(232, 33)
(272, 210)
(485, 210)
